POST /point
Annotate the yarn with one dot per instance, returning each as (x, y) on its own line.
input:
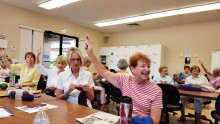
(3, 86)
(25, 95)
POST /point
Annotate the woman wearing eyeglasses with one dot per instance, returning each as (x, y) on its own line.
(75, 84)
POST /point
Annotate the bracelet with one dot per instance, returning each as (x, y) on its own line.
(65, 96)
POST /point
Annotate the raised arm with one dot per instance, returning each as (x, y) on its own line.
(5, 60)
(204, 68)
(109, 76)
(38, 55)
(39, 67)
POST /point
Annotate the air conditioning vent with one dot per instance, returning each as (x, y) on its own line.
(133, 24)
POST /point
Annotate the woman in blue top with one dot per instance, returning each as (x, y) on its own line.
(183, 75)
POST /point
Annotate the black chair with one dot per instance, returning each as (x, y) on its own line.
(216, 113)
(171, 101)
(114, 93)
(41, 83)
(7, 79)
(96, 92)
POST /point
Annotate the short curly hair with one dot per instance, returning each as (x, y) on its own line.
(194, 67)
(138, 56)
(122, 64)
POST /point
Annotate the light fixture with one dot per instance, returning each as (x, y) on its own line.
(56, 3)
(181, 11)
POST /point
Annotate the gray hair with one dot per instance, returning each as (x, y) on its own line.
(216, 71)
(122, 64)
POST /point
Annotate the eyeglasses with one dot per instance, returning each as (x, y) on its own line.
(75, 60)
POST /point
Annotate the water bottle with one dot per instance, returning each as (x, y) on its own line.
(125, 110)
(41, 117)
(12, 79)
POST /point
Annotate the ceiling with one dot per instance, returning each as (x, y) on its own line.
(88, 12)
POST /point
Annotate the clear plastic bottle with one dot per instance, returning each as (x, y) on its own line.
(41, 117)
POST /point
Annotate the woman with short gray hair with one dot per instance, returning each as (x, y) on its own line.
(123, 65)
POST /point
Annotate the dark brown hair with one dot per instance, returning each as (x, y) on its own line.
(30, 53)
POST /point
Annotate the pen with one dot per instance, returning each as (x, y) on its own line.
(9, 111)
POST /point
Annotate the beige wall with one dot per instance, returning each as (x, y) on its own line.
(12, 17)
(199, 38)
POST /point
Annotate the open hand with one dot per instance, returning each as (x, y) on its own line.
(2, 52)
(200, 62)
(38, 52)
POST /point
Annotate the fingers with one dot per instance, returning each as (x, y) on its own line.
(85, 87)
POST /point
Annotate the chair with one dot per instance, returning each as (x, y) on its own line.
(216, 113)
(115, 93)
(171, 101)
(7, 79)
(41, 83)
(96, 92)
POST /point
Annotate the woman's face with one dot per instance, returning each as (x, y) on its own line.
(75, 61)
(164, 72)
(215, 74)
(29, 59)
(187, 70)
(142, 70)
(195, 72)
(60, 66)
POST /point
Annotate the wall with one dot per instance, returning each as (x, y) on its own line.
(199, 38)
(12, 17)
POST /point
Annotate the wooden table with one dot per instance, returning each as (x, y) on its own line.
(199, 94)
(65, 113)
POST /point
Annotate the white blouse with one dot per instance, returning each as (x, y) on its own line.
(66, 78)
(200, 80)
(52, 74)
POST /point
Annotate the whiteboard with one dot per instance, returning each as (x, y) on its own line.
(215, 59)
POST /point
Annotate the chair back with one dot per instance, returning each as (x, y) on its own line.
(171, 94)
(217, 104)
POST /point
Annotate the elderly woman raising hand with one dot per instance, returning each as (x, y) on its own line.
(147, 96)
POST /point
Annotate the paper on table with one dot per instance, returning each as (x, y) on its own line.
(4, 113)
(35, 109)
(99, 118)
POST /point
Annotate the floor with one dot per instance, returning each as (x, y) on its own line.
(206, 111)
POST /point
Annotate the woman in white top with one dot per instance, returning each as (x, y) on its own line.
(52, 74)
(199, 81)
(75, 84)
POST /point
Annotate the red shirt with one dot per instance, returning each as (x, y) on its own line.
(144, 97)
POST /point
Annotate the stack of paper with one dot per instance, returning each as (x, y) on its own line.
(99, 118)
(29, 109)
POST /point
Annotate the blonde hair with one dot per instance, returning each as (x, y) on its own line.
(161, 68)
(86, 60)
(72, 50)
(61, 59)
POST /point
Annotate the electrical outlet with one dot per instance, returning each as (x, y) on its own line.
(13, 48)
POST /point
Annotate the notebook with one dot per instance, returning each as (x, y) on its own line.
(4, 112)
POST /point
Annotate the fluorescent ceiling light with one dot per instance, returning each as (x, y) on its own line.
(161, 14)
(56, 3)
